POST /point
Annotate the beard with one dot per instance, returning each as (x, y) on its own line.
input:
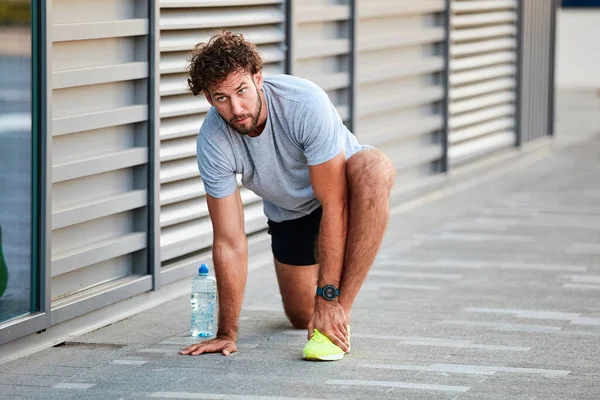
(246, 129)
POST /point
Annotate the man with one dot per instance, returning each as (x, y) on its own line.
(325, 195)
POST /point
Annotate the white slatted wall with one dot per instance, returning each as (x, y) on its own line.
(482, 78)
(400, 89)
(99, 154)
(184, 221)
(321, 48)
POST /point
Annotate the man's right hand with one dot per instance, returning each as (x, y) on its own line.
(219, 344)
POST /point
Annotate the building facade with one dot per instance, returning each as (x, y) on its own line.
(102, 210)
(578, 26)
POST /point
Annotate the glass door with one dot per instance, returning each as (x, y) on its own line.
(18, 291)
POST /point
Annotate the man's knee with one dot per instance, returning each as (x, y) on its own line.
(299, 319)
(370, 172)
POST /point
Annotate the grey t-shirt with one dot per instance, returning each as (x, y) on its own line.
(303, 128)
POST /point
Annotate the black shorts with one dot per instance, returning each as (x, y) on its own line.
(294, 242)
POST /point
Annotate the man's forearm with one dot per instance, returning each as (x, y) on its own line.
(231, 270)
(332, 244)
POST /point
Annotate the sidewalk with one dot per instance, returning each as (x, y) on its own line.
(490, 292)
(577, 115)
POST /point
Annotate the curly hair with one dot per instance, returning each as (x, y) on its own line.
(224, 53)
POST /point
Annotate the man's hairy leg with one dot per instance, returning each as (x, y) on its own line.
(370, 176)
(297, 285)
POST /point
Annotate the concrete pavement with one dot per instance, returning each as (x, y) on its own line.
(487, 292)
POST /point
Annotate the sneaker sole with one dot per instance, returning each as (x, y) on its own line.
(333, 357)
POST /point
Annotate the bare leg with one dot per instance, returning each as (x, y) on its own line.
(297, 287)
(370, 176)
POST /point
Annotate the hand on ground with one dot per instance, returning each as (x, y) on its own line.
(220, 344)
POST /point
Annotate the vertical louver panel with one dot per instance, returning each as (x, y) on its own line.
(482, 93)
(99, 153)
(321, 48)
(399, 71)
(184, 221)
(537, 66)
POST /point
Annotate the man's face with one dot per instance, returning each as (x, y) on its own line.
(238, 101)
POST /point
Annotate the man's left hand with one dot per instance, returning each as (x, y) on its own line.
(330, 319)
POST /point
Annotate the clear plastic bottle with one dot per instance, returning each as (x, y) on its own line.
(203, 299)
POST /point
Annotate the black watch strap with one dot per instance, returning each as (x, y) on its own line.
(329, 292)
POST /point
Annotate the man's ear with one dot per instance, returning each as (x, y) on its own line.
(258, 80)
(208, 97)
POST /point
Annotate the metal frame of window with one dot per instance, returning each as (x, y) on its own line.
(41, 57)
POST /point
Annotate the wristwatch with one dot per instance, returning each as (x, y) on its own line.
(329, 292)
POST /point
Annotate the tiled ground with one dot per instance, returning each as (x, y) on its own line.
(492, 292)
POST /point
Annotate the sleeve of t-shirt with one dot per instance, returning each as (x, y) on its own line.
(216, 170)
(321, 133)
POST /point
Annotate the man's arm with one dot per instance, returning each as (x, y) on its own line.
(230, 256)
(330, 186)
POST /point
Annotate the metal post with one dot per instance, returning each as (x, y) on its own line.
(154, 144)
(288, 41)
(552, 66)
(446, 84)
(352, 64)
(519, 77)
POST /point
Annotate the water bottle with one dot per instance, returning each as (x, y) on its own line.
(204, 296)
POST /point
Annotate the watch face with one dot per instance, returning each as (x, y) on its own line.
(329, 292)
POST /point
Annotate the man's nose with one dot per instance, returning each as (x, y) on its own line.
(236, 106)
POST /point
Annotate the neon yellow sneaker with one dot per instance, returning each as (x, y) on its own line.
(319, 347)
